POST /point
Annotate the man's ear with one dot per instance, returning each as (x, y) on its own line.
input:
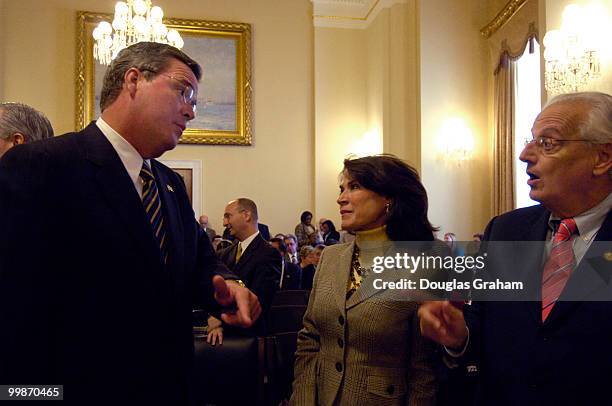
(18, 138)
(603, 160)
(130, 80)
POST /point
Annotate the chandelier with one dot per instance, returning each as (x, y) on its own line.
(572, 52)
(135, 21)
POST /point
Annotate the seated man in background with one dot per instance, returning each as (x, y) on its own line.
(210, 232)
(291, 274)
(252, 258)
(292, 252)
(19, 124)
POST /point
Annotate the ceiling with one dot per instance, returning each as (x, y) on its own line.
(348, 13)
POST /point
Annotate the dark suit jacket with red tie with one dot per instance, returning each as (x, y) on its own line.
(85, 300)
(568, 358)
(259, 267)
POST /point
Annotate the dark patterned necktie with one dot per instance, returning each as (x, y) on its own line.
(153, 208)
(559, 265)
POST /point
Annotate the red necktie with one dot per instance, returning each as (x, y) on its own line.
(559, 265)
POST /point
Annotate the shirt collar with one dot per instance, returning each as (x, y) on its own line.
(589, 222)
(247, 241)
(131, 159)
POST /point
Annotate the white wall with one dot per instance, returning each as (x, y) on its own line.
(366, 80)
(454, 83)
(340, 108)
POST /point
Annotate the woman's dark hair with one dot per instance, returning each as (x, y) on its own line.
(305, 215)
(394, 179)
(330, 226)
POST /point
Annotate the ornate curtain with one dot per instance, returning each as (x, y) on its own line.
(508, 34)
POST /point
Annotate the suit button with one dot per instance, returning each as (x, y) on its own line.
(341, 320)
(340, 343)
(390, 389)
(339, 366)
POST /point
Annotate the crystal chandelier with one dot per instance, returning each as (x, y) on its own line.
(135, 21)
(572, 52)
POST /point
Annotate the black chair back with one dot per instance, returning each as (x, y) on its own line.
(291, 297)
(230, 374)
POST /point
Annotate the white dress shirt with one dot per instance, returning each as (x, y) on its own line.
(131, 159)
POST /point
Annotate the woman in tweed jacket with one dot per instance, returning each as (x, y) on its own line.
(359, 345)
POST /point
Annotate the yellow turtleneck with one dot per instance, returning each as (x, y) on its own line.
(371, 243)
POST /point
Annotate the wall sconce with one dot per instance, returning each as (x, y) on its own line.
(369, 144)
(572, 53)
(455, 141)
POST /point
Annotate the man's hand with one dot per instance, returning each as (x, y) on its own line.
(214, 331)
(443, 323)
(245, 305)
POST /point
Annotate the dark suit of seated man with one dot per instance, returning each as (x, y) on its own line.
(101, 258)
(253, 259)
(291, 274)
(554, 348)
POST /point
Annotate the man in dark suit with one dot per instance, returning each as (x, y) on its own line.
(210, 232)
(552, 345)
(102, 260)
(292, 254)
(264, 231)
(291, 274)
(252, 258)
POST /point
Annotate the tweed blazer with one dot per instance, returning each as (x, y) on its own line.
(361, 351)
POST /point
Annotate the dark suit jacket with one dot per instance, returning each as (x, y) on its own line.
(308, 277)
(292, 277)
(259, 269)
(568, 358)
(85, 300)
(264, 231)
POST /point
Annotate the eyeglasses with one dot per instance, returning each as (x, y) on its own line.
(187, 92)
(548, 144)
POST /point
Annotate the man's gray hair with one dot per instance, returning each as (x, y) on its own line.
(23, 119)
(597, 128)
(149, 57)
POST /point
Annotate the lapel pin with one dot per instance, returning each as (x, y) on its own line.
(608, 255)
(169, 188)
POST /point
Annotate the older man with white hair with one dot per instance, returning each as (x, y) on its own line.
(20, 123)
(553, 347)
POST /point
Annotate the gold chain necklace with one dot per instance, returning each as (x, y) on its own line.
(357, 272)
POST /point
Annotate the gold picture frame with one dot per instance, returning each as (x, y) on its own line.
(223, 49)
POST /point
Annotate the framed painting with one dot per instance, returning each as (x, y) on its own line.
(191, 172)
(223, 50)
